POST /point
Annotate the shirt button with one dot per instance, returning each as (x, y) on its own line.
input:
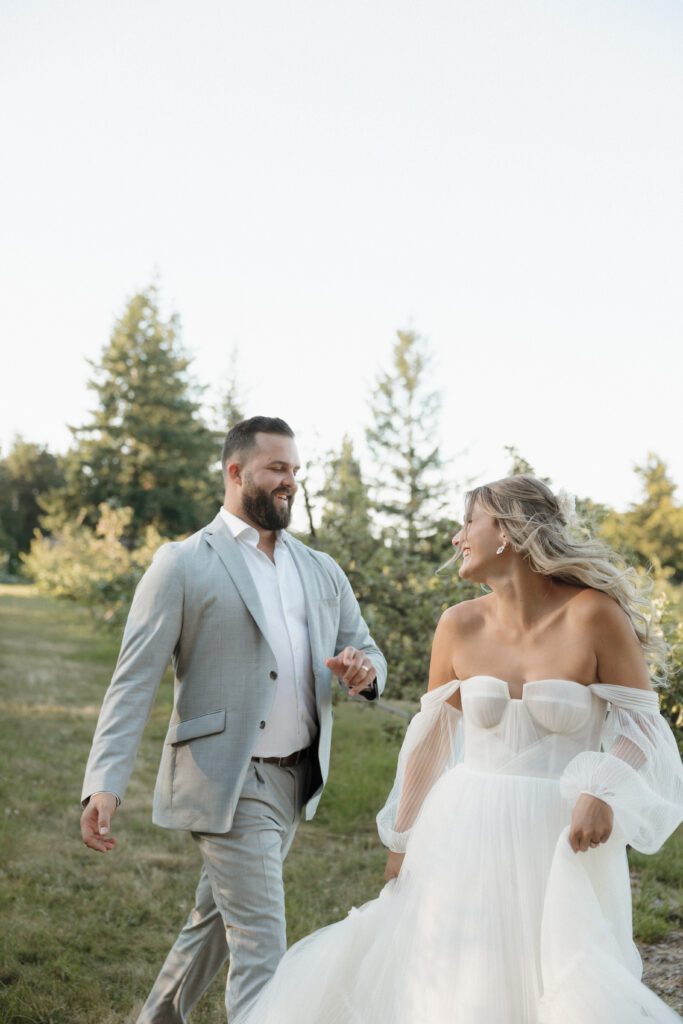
(262, 725)
(273, 674)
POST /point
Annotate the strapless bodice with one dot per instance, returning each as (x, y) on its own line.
(537, 734)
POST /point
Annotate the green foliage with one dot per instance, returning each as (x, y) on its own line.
(148, 453)
(404, 595)
(344, 530)
(651, 531)
(670, 603)
(146, 446)
(389, 535)
(519, 465)
(406, 600)
(94, 568)
(27, 471)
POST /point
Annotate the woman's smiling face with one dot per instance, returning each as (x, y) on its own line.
(478, 541)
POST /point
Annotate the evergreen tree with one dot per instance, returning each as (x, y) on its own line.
(6, 543)
(651, 531)
(344, 530)
(409, 486)
(27, 472)
(146, 446)
(406, 596)
(229, 409)
(518, 464)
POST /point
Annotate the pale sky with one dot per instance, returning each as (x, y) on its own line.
(505, 176)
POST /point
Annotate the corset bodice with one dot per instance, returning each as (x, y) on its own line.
(538, 734)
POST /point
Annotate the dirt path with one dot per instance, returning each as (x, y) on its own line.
(663, 969)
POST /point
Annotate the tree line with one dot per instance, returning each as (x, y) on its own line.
(144, 468)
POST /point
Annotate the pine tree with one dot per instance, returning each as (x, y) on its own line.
(406, 594)
(229, 409)
(27, 472)
(518, 464)
(146, 446)
(344, 530)
(409, 485)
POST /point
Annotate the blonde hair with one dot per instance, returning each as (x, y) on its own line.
(554, 543)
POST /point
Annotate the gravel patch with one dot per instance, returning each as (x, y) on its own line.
(663, 969)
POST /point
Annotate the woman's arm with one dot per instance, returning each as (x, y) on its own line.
(619, 659)
(426, 760)
(637, 776)
(444, 646)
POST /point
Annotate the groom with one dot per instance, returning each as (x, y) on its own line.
(255, 623)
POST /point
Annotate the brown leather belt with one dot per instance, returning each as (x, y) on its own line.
(285, 762)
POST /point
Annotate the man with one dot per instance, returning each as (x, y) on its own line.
(255, 623)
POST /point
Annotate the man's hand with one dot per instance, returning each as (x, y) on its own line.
(354, 669)
(591, 823)
(96, 820)
(393, 865)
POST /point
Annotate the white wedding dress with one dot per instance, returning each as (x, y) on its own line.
(493, 918)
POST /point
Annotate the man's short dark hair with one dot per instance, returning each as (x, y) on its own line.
(242, 437)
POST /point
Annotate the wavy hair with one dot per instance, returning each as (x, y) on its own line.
(556, 543)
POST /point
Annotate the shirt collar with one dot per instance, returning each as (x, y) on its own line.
(243, 531)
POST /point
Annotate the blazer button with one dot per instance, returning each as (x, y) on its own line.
(273, 674)
(262, 725)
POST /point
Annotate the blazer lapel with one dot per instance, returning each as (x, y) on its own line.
(227, 548)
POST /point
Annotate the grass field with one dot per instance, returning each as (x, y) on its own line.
(83, 935)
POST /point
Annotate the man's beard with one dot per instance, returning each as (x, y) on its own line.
(262, 508)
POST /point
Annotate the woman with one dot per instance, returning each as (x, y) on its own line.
(538, 754)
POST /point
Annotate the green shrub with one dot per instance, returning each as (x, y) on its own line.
(95, 568)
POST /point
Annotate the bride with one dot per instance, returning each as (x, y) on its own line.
(538, 754)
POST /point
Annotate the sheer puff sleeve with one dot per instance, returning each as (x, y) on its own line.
(638, 772)
(431, 746)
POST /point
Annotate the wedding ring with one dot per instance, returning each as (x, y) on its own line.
(363, 668)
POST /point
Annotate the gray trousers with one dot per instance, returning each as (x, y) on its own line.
(239, 911)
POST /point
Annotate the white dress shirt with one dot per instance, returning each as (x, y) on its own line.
(293, 720)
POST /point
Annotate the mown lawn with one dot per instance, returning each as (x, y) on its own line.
(83, 934)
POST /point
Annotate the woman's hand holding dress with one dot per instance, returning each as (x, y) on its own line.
(591, 823)
(393, 865)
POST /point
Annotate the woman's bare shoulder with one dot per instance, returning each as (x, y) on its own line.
(457, 627)
(466, 617)
(609, 629)
(597, 610)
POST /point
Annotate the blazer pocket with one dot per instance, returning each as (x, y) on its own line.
(194, 728)
(329, 610)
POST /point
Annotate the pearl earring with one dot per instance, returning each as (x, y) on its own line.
(501, 549)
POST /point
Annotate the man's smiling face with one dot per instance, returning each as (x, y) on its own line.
(269, 481)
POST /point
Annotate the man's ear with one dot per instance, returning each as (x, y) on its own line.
(233, 473)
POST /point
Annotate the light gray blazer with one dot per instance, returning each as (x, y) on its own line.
(197, 605)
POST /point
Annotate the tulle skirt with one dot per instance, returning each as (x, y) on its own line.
(490, 909)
